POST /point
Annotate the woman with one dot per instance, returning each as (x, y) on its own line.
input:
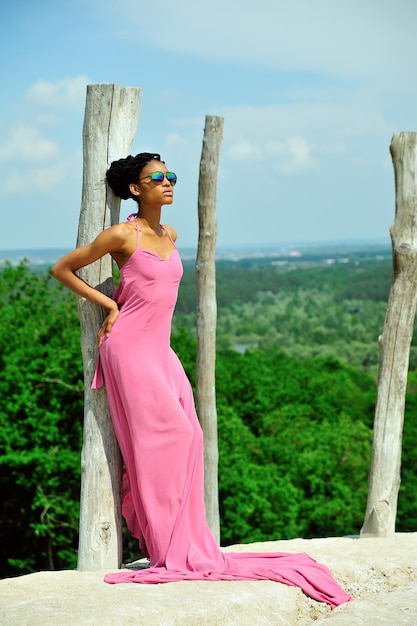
(151, 400)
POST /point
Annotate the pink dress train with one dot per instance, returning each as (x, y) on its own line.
(160, 438)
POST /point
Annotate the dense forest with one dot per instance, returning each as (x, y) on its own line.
(296, 372)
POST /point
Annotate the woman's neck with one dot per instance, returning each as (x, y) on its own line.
(152, 218)
(153, 224)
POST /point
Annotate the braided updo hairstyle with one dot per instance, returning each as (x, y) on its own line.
(124, 172)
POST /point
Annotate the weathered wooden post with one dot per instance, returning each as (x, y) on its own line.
(110, 123)
(394, 343)
(207, 314)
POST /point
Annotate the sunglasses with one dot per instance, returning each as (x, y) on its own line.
(158, 177)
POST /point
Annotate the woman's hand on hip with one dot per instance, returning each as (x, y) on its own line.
(107, 325)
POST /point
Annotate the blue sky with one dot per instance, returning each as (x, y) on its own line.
(311, 92)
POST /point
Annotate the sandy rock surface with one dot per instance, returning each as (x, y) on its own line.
(381, 574)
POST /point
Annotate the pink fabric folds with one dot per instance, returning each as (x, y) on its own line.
(152, 408)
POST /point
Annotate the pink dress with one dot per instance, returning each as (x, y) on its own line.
(161, 441)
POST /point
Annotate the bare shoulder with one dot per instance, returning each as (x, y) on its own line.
(117, 237)
(117, 240)
(122, 230)
(171, 231)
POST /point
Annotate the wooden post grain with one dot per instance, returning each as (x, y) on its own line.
(207, 314)
(110, 123)
(394, 343)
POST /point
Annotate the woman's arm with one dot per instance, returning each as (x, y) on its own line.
(64, 270)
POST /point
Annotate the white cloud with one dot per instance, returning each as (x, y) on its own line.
(19, 184)
(275, 148)
(328, 117)
(299, 153)
(35, 179)
(244, 151)
(13, 183)
(373, 40)
(69, 92)
(25, 143)
(297, 137)
(174, 139)
(299, 148)
(290, 155)
(46, 178)
(34, 162)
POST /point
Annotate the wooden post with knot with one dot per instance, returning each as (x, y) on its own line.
(394, 343)
(110, 123)
(207, 314)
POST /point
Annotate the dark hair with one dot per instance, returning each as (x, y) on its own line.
(124, 172)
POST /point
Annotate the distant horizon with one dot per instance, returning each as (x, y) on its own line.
(295, 242)
(294, 250)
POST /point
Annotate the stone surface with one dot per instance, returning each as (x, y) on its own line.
(381, 574)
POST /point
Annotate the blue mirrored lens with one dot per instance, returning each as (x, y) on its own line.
(171, 177)
(159, 177)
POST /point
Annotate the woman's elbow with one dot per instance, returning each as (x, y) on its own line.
(56, 271)
(53, 271)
